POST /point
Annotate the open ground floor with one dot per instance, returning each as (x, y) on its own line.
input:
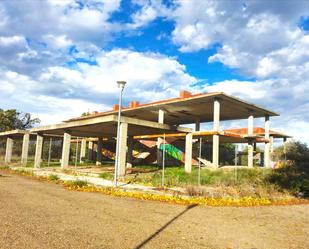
(43, 215)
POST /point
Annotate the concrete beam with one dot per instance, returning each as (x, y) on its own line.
(83, 150)
(122, 149)
(65, 150)
(99, 152)
(8, 150)
(130, 152)
(72, 124)
(25, 149)
(188, 153)
(216, 127)
(250, 141)
(38, 151)
(267, 144)
(155, 125)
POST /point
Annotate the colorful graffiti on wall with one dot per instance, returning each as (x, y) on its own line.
(108, 154)
(173, 151)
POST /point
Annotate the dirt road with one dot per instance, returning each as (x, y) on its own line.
(37, 214)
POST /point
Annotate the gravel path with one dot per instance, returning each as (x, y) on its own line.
(37, 214)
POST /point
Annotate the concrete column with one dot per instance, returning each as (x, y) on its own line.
(38, 151)
(160, 140)
(65, 150)
(130, 152)
(267, 144)
(90, 150)
(8, 150)
(250, 141)
(216, 127)
(122, 149)
(82, 150)
(271, 144)
(99, 152)
(284, 145)
(197, 125)
(188, 153)
(25, 149)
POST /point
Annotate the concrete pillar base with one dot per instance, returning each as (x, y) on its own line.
(99, 152)
(215, 151)
(25, 149)
(122, 149)
(65, 150)
(8, 150)
(188, 153)
(38, 151)
(83, 151)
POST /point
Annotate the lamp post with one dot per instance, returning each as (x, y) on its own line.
(121, 85)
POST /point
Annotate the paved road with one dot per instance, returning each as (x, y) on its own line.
(37, 214)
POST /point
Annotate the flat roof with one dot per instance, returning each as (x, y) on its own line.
(187, 109)
(106, 126)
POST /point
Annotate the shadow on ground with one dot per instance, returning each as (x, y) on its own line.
(155, 234)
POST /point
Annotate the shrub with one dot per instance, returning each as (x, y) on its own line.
(53, 178)
(294, 178)
(76, 183)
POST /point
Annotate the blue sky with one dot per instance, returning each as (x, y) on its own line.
(65, 59)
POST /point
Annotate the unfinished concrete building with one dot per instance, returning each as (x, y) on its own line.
(153, 121)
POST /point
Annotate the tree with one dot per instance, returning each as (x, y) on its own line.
(12, 119)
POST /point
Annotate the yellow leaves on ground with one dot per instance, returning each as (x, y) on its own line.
(204, 201)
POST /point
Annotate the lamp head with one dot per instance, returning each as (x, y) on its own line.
(121, 84)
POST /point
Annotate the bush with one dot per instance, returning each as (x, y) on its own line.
(77, 183)
(294, 178)
(53, 178)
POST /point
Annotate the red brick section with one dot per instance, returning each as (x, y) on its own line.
(244, 131)
(115, 108)
(134, 104)
(185, 94)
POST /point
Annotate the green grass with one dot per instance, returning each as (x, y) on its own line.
(53, 178)
(176, 176)
(107, 175)
(76, 183)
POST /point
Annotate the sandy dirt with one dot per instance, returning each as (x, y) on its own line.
(37, 214)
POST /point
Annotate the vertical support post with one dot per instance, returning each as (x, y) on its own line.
(197, 125)
(130, 152)
(267, 144)
(99, 151)
(188, 154)
(123, 137)
(159, 141)
(8, 150)
(90, 150)
(83, 150)
(250, 140)
(65, 150)
(271, 144)
(38, 151)
(49, 150)
(25, 149)
(215, 139)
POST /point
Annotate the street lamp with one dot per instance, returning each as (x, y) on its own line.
(121, 85)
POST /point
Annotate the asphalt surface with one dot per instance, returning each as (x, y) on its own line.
(36, 214)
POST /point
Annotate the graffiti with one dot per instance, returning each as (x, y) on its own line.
(173, 151)
(108, 154)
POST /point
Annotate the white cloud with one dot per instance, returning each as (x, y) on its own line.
(69, 92)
